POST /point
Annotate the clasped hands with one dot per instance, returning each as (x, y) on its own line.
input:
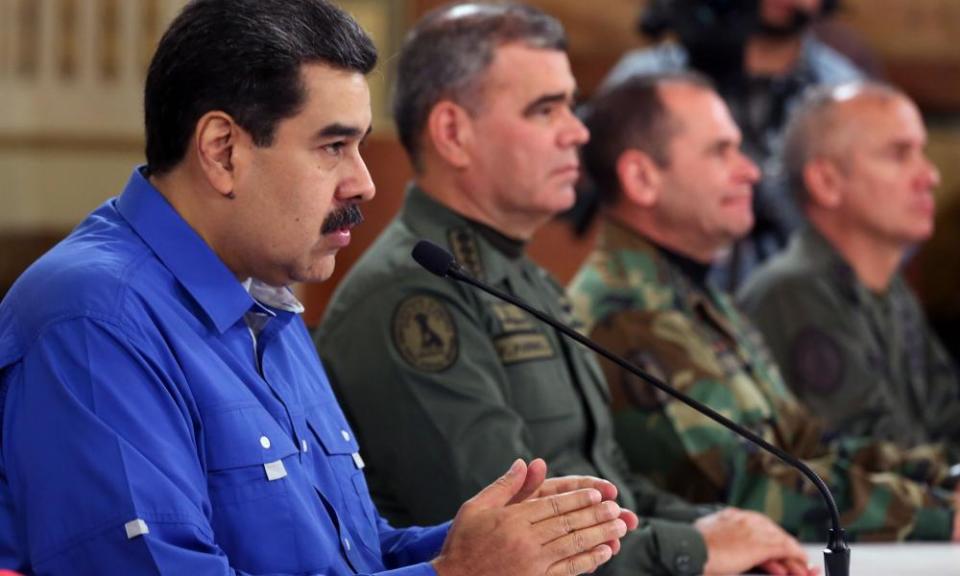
(524, 524)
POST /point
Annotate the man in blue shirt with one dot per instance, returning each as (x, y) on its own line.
(164, 411)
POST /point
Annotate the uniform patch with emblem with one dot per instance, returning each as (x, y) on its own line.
(512, 319)
(424, 333)
(817, 360)
(523, 346)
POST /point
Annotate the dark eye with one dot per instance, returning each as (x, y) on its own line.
(334, 148)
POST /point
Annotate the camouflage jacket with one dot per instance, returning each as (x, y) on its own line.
(445, 386)
(631, 298)
(867, 363)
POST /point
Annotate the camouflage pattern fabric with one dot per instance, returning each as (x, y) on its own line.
(445, 386)
(632, 299)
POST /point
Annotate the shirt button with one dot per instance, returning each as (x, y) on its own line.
(346, 435)
(346, 544)
(303, 445)
(682, 564)
(265, 442)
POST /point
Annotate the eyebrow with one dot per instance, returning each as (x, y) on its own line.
(342, 130)
(558, 97)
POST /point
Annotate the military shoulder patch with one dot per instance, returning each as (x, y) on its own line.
(425, 334)
(817, 361)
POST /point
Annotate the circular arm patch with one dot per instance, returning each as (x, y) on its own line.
(425, 334)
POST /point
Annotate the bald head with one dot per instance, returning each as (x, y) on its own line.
(827, 123)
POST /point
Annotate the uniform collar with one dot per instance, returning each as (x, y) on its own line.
(183, 252)
(473, 249)
(813, 247)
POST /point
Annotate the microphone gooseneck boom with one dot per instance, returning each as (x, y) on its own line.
(836, 555)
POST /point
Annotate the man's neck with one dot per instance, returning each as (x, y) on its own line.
(458, 195)
(874, 261)
(649, 226)
(767, 56)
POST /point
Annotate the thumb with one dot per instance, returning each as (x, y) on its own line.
(503, 489)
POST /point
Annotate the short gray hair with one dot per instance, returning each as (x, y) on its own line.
(445, 55)
(813, 128)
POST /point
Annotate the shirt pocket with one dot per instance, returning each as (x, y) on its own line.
(249, 459)
(345, 464)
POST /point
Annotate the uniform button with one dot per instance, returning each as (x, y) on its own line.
(265, 442)
(303, 445)
(682, 563)
(346, 544)
(346, 435)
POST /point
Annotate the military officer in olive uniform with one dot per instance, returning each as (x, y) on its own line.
(665, 155)
(464, 382)
(835, 309)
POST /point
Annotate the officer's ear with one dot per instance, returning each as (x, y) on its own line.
(450, 131)
(821, 179)
(216, 146)
(640, 178)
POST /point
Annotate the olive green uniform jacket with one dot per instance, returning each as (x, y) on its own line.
(446, 386)
(631, 298)
(867, 363)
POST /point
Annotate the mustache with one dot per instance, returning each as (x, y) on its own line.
(346, 217)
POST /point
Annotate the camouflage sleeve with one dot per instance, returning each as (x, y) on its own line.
(825, 356)
(705, 462)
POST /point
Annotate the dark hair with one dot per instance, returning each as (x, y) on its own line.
(243, 57)
(630, 115)
(446, 53)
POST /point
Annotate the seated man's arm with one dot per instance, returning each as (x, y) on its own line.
(687, 451)
(101, 449)
(837, 363)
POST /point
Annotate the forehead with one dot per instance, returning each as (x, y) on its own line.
(333, 95)
(700, 112)
(871, 117)
(527, 73)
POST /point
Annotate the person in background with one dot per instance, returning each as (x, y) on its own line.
(761, 56)
(665, 157)
(465, 383)
(834, 307)
(164, 411)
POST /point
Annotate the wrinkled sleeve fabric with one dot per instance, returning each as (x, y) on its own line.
(101, 448)
(820, 346)
(718, 465)
(439, 436)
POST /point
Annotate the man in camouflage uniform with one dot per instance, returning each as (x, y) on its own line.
(665, 156)
(838, 315)
(467, 382)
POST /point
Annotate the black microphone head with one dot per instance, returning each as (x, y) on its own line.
(434, 258)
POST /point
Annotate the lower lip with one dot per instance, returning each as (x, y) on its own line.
(338, 238)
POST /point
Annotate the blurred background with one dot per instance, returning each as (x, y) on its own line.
(71, 75)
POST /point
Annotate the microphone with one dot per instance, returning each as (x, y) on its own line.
(836, 556)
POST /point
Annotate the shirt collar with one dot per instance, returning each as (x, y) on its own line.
(183, 252)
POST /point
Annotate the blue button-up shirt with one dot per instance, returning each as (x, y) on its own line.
(145, 431)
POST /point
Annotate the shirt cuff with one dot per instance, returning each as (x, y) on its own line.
(422, 569)
(681, 548)
(933, 524)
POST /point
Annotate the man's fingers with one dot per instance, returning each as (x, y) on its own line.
(536, 474)
(540, 509)
(584, 563)
(559, 526)
(570, 483)
(586, 539)
(500, 492)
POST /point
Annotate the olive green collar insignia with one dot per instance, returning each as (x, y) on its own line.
(466, 249)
